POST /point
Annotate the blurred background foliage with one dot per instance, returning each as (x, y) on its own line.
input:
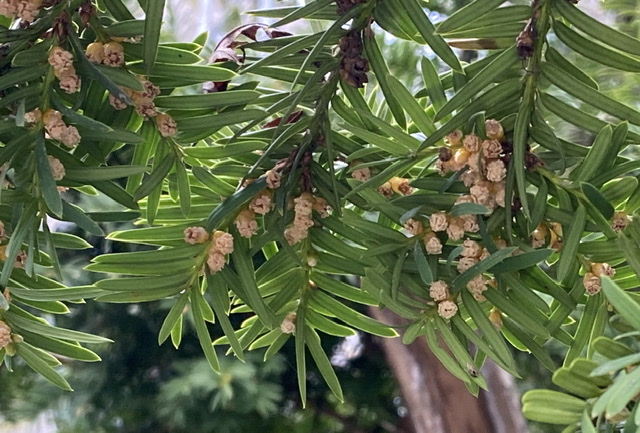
(142, 387)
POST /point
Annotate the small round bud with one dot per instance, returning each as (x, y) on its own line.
(414, 227)
(439, 222)
(432, 243)
(600, 269)
(400, 185)
(223, 242)
(288, 325)
(195, 235)
(455, 138)
(472, 142)
(166, 125)
(95, 52)
(591, 283)
(113, 54)
(620, 221)
(447, 309)
(445, 154)
(439, 290)
(495, 317)
(5, 334)
(494, 129)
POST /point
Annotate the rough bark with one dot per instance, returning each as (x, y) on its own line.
(438, 402)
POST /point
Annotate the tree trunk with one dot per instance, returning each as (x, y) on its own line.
(437, 401)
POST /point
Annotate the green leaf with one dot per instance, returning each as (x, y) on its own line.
(528, 342)
(621, 393)
(60, 347)
(48, 186)
(585, 326)
(443, 356)
(150, 257)
(73, 117)
(64, 294)
(589, 95)
(460, 351)
(25, 224)
(540, 203)
(121, 77)
(624, 304)
(322, 362)
(520, 136)
(325, 303)
(585, 423)
(469, 209)
(66, 241)
(491, 32)
(575, 116)
(166, 54)
(397, 270)
(187, 73)
(283, 52)
(210, 123)
(39, 365)
(119, 11)
(552, 407)
(611, 349)
(593, 50)
(499, 349)
(421, 262)
(20, 322)
(611, 367)
(467, 14)
(552, 55)
(208, 100)
(577, 384)
(184, 187)
(597, 199)
(629, 248)
(531, 320)
(22, 75)
(571, 241)
(597, 29)
(300, 342)
(169, 281)
(413, 331)
(598, 156)
(176, 333)
(220, 302)
(479, 82)
(224, 151)
(203, 333)
(332, 31)
(246, 273)
(152, 25)
(301, 12)
(432, 83)
(523, 261)
(156, 177)
(91, 174)
(175, 314)
(379, 67)
(381, 141)
(427, 31)
(339, 288)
